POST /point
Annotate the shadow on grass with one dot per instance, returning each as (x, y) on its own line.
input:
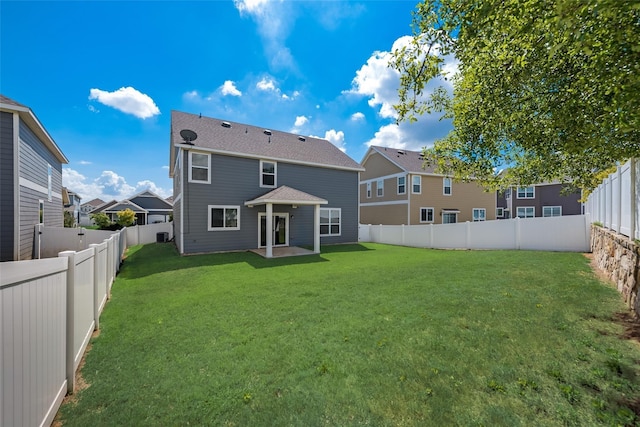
(156, 258)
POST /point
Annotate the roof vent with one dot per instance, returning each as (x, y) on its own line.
(401, 152)
(302, 138)
(225, 124)
(267, 132)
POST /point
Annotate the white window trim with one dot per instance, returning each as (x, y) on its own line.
(525, 211)
(380, 188)
(198, 181)
(449, 213)
(49, 182)
(533, 193)
(433, 216)
(551, 207)
(419, 184)
(368, 189)
(339, 224)
(499, 212)
(275, 174)
(41, 208)
(224, 207)
(444, 186)
(405, 185)
(473, 216)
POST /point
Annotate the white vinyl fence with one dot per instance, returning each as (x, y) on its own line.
(615, 202)
(569, 233)
(49, 308)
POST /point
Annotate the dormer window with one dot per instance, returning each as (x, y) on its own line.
(268, 171)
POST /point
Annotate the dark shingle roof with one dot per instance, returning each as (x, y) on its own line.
(287, 195)
(410, 161)
(5, 100)
(251, 141)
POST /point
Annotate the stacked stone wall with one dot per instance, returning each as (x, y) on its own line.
(618, 258)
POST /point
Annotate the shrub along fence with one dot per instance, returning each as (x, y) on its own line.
(48, 310)
(569, 233)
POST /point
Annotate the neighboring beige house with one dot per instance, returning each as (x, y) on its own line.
(396, 189)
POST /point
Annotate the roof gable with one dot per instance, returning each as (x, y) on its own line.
(407, 160)
(237, 139)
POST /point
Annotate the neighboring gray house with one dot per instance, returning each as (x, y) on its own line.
(240, 187)
(540, 200)
(30, 180)
(71, 202)
(148, 207)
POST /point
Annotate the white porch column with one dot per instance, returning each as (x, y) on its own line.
(316, 229)
(269, 230)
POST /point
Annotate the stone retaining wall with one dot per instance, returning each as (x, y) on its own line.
(618, 258)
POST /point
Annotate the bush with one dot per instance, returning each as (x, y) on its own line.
(101, 220)
(126, 218)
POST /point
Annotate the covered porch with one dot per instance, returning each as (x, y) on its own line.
(284, 195)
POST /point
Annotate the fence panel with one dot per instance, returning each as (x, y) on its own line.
(615, 202)
(33, 310)
(99, 280)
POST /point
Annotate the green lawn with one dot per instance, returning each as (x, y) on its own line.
(359, 335)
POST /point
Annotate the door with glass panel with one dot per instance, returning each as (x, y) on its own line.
(279, 229)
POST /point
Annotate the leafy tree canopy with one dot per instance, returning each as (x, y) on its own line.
(101, 220)
(126, 217)
(549, 88)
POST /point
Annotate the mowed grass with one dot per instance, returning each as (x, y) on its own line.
(359, 335)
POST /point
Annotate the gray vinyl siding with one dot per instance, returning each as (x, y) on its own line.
(7, 183)
(34, 158)
(235, 180)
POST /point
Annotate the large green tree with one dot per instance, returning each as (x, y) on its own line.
(549, 88)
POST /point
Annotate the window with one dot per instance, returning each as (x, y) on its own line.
(479, 214)
(368, 190)
(380, 188)
(49, 182)
(330, 221)
(525, 212)
(426, 214)
(402, 185)
(507, 193)
(446, 186)
(224, 218)
(526, 193)
(200, 164)
(552, 211)
(416, 184)
(40, 211)
(449, 217)
(499, 212)
(267, 173)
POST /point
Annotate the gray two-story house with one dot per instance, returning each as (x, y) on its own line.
(539, 200)
(240, 187)
(30, 180)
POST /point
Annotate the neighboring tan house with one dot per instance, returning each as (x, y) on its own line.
(241, 187)
(540, 200)
(30, 180)
(396, 189)
(86, 209)
(148, 207)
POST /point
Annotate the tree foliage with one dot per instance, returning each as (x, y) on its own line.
(548, 88)
(101, 220)
(126, 217)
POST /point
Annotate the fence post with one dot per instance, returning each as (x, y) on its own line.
(430, 235)
(71, 272)
(468, 235)
(618, 192)
(516, 224)
(403, 243)
(634, 197)
(96, 280)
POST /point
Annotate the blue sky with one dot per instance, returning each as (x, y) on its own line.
(103, 77)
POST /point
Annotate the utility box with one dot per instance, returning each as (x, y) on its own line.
(162, 237)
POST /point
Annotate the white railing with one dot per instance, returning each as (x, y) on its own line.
(48, 310)
(569, 233)
(615, 202)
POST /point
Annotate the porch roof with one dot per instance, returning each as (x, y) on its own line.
(284, 195)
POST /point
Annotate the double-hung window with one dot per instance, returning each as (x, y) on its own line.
(526, 193)
(224, 218)
(199, 167)
(426, 214)
(268, 174)
(402, 185)
(446, 186)
(416, 184)
(369, 190)
(552, 211)
(525, 212)
(479, 214)
(380, 188)
(499, 212)
(330, 221)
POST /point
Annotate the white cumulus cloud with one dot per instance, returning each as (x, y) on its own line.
(108, 186)
(229, 88)
(128, 100)
(300, 121)
(267, 84)
(335, 137)
(356, 117)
